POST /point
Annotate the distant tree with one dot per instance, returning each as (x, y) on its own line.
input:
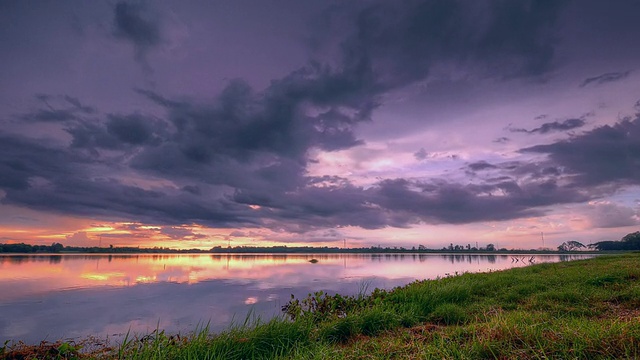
(628, 242)
(491, 247)
(56, 247)
(607, 245)
(632, 241)
(570, 246)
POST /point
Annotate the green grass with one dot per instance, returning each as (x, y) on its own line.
(587, 309)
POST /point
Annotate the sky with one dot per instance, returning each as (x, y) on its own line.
(193, 124)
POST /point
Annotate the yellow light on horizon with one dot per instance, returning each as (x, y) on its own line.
(99, 228)
(55, 236)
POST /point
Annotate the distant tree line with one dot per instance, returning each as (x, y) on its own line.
(372, 249)
(58, 248)
(628, 242)
(469, 248)
(28, 249)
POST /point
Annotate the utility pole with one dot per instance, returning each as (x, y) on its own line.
(542, 235)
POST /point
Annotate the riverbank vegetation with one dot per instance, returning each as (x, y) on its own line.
(578, 309)
(628, 242)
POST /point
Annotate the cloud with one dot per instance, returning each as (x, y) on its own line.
(241, 161)
(241, 158)
(261, 189)
(568, 124)
(402, 202)
(180, 233)
(116, 131)
(606, 154)
(24, 159)
(134, 24)
(79, 238)
(132, 129)
(605, 214)
(445, 202)
(606, 78)
(480, 165)
(421, 154)
(249, 140)
(58, 109)
(394, 46)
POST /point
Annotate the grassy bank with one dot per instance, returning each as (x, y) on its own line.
(581, 309)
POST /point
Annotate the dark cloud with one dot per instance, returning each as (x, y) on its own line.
(180, 233)
(90, 135)
(241, 159)
(565, 125)
(607, 154)
(116, 131)
(397, 45)
(536, 171)
(480, 165)
(23, 160)
(250, 140)
(277, 195)
(85, 109)
(421, 154)
(606, 78)
(241, 143)
(192, 189)
(132, 129)
(263, 174)
(49, 115)
(444, 202)
(135, 24)
(112, 199)
(58, 109)
(402, 203)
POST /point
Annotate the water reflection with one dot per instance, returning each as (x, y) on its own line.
(71, 295)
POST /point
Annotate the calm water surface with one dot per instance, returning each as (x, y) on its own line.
(68, 296)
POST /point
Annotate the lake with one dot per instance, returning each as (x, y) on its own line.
(51, 297)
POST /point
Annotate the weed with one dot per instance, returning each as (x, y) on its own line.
(449, 314)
